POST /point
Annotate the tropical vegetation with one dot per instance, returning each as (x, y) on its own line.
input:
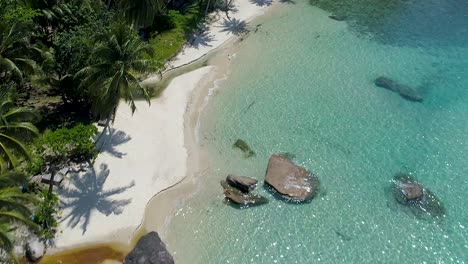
(65, 64)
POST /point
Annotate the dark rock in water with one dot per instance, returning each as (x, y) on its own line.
(337, 17)
(244, 184)
(238, 197)
(408, 192)
(290, 180)
(149, 250)
(409, 94)
(35, 249)
(404, 91)
(242, 145)
(386, 83)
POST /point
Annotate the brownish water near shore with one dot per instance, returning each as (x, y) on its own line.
(105, 253)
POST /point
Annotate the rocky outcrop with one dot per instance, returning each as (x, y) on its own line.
(242, 183)
(35, 249)
(404, 90)
(238, 197)
(149, 250)
(408, 192)
(290, 180)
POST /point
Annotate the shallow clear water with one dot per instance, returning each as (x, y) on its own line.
(303, 84)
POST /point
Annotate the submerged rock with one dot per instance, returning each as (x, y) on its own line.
(35, 249)
(408, 192)
(404, 90)
(290, 180)
(238, 197)
(242, 145)
(337, 17)
(409, 94)
(149, 250)
(242, 183)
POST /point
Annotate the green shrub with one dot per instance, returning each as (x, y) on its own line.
(34, 166)
(168, 38)
(76, 142)
(46, 214)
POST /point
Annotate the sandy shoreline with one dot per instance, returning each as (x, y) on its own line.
(144, 154)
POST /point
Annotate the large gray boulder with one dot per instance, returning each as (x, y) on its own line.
(290, 180)
(240, 198)
(149, 250)
(244, 184)
(404, 90)
(35, 248)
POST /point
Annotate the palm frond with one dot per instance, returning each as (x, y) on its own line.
(12, 178)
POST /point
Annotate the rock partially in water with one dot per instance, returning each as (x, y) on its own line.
(35, 249)
(149, 250)
(240, 198)
(290, 180)
(422, 202)
(337, 17)
(242, 183)
(403, 90)
(242, 145)
(407, 193)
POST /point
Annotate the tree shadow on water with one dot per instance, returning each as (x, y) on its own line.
(87, 194)
(114, 139)
(234, 26)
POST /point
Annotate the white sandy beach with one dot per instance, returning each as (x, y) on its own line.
(144, 153)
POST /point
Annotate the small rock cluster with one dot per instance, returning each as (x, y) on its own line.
(238, 189)
(283, 176)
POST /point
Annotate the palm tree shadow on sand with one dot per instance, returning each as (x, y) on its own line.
(203, 38)
(235, 26)
(87, 194)
(112, 140)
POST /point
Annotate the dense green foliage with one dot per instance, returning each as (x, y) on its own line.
(171, 32)
(71, 62)
(15, 125)
(119, 57)
(77, 142)
(46, 214)
(14, 208)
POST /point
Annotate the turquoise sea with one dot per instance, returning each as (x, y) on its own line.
(304, 84)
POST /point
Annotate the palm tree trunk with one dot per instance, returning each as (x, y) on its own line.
(109, 3)
(52, 175)
(104, 131)
(207, 6)
(106, 126)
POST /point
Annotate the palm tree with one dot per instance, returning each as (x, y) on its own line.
(15, 125)
(52, 11)
(141, 13)
(113, 78)
(13, 209)
(14, 48)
